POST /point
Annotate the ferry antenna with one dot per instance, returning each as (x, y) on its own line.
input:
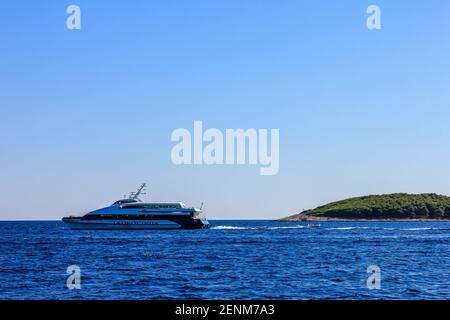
(141, 190)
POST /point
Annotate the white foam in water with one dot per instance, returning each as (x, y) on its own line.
(418, 229)
(348, 228)
(261, 228)
(318, 226)
(230, 228)
(415, 229)
(291, 227)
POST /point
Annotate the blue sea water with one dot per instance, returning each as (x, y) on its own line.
(232, 260)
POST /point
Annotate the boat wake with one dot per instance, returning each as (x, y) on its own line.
(417, 229)
(263, 228)
(225, 227)
(348, 228)
(387, 229)
(232, 228)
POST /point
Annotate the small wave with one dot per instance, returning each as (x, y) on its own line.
(262, 228)
(206, 268)
(416, 229)
(231, 228)
(290, 227)
(421, 229)
(348, 228)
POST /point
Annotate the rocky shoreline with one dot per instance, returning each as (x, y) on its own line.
(395, 207)
(325, 219)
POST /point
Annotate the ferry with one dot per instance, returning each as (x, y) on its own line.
(133, 213)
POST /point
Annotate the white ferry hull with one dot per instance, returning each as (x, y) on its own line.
(80, 224)
(122, 224)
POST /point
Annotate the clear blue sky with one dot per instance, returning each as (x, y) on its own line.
(87, 115)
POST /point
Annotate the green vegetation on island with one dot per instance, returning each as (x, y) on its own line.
(397, 206)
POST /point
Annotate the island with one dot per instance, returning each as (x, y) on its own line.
(385, 207)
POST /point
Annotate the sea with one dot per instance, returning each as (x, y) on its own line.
(243, 260)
